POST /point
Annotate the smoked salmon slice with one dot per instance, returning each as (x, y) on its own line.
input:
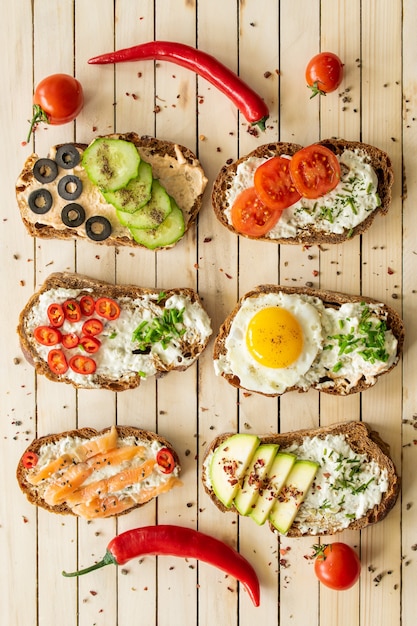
(73, 477)
(51, 468)
(151, 492)
(103, 507)
(95, 446)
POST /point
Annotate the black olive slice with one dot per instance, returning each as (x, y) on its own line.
(70, 187)
(73, 215)
(45, 170)
(98, 228)
(67, 156)
(40, 201)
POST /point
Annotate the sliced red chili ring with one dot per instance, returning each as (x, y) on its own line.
(92, 327)
(72, 310)
(71, 340)
(108, 308)
(47, 336)
(82, 364)
(56, 315)
(57, 361)
(30, 459)
(90, 344)
(87, 305)
(165, 460)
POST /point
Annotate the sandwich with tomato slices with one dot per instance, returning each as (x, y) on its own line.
(288, 194)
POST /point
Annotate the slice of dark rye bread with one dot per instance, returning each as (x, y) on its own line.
(330, 299)
(379, 160)
(360, 437)
(97, 288)
(34, 492)
(148, 147)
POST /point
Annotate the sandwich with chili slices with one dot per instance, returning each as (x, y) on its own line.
(95, 335)
(324, 193)
(95, 474)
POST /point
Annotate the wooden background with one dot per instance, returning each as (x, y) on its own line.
(269, 43)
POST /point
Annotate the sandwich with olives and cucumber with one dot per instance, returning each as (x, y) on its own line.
(302, 483)
(285, 193)
(121, 189)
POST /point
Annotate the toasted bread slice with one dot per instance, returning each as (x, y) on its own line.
(175, 166)
(309, 233)
(329, 381)
(78, 449)
(121, 361)
(311, 519)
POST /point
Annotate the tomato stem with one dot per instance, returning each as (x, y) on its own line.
(39, 115)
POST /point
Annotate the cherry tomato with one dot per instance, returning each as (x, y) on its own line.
(82, 364)
(87, 305)
(72, 310)
(56, 315)
(29, 459)
(108, 308)
(92, 327)
(324, 73)
(47, 336)
(165, 460)
(90, 344)
(274, 185)
(71, 340)
(250, 216)
(57, 361)
(58, 99)
(315, 171)
(337, 565)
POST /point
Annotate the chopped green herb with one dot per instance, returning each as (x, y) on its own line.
(160, 329)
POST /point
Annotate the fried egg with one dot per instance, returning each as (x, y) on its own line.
(277, 341)
(273, 341)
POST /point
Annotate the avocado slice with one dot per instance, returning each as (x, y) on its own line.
(248, 494)
(229, 464)
(136, 193)
(292, 495)
(273, 482)
(111, 163)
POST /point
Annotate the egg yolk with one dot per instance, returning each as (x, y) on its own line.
(274, 337)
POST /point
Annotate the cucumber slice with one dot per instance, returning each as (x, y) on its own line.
(136, 193)
(171, 229)
(111, 163)
(152, 214)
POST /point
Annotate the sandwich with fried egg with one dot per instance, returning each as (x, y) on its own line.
(280, 338)
(96, 335)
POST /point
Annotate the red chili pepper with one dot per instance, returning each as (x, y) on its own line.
(29, 459)
(174, 540)
(56, 315)
(244, 98)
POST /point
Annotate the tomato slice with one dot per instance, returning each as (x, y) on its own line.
(56, 315)
(165, 460)
(29, 459)
(71, 340)
(274, 185)
(47, 336)
(92, 327)
(315, 171)
(250, 216)
(72, 310)
(57, 361)
(87, 305)
(82, 364)
(108, 308)
(90, 344)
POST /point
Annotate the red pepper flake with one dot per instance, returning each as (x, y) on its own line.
(25, 519)
(315, 272)
(390, 270)
(93, 593)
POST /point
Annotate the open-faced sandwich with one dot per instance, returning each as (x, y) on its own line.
(92, 334)
(324, 193)
(97, 474)
(280, 339)
(308, 482)
(121, 189)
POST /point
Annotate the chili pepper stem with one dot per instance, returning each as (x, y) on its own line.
(261, 123)
(39, 115)
(107, 560)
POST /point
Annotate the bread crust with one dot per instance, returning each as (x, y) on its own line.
(332, 299)
(151, 146)
(379, 160)
(97, 288)
(361, 438)
(32, 492)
